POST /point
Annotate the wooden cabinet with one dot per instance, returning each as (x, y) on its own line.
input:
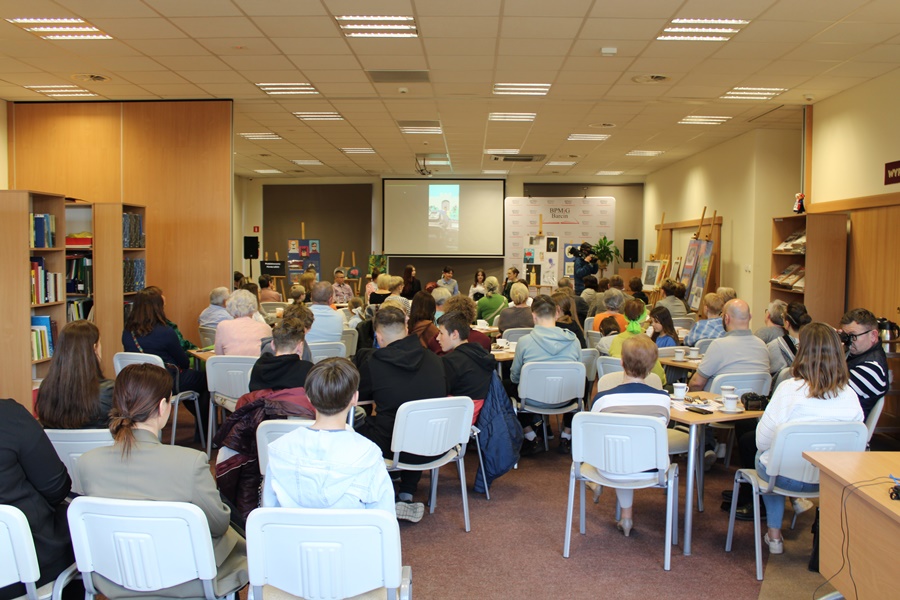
(824, 262)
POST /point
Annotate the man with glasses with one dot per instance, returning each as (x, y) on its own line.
(865, 359)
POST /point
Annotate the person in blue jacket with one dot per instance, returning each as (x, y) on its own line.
(585, 264)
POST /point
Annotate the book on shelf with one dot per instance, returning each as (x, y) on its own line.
(43, 230)
(45, 286)
(779, 279)
(42, 333)
(79, 274)
(795, 243)
(799, 285)
(793, 278)
(133, 274)
(80, 308)
(133, 231)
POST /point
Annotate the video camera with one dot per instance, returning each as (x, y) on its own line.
(583, 251)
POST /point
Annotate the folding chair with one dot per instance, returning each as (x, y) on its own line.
(323, 350)
(227, 378)
(70, 444)
(551, 388)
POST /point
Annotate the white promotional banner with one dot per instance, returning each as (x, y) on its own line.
(539, 232)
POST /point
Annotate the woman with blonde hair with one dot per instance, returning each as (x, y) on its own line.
(395, 286)
(493, 302)
(382, 289)
(518, 315)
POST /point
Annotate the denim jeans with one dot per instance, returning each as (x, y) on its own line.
(774, 502)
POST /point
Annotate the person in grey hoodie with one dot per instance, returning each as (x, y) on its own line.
(546, 342)
(326, 465)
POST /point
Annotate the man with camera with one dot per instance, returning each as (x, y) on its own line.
(585, 264)
(865, 357)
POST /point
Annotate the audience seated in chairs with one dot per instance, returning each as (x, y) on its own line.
(783, 349)
(670, 299)
(567, 315)
(467, 307)
(329, 323)
(635, 312)
(774, 318)
(610, 305)
(216, 312)
(609, 327)
(421, 322)
(267, 292)
(491, 305)
(518, 315)
(241, 336)
(710, 325)
(468, 367)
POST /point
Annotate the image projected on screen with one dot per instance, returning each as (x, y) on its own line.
(443, 216)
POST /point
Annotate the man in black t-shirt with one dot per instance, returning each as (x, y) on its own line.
(468, 367)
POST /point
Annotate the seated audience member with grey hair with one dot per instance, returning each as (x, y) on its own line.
(215, 313)
(440, 295)
(519, 314)
(241, 336)
(297, 294)
(267, 291)
(727, 293)
(329, 323)
(774, 328)
(670, 299)
(612, 300)
(340, 290)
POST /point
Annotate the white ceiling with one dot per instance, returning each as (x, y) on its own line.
(200, 49)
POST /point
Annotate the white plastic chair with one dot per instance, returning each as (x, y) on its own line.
(872, 419)
(683, 322)
(759, 383)
(322, 350)
(669, 352)
(271, 307)
(783, 375)
(611, 380)
(269, 431)
(786, 459)
(607, 446)
(557, 384)
(350, 338)
(70, 444)
(702, 345)
(142, 545)
(227, 378)
(593, 337)
(207, 337)
(589, 358)
(123, 359)
(608, 364)
(323, 554)
(589, 324)
(19, 561)
(516, 333)
(436, 427)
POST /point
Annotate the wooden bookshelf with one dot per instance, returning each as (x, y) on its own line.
(130, 253)
(825, 261)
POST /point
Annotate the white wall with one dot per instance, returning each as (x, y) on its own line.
(747, 181)
(854, 134)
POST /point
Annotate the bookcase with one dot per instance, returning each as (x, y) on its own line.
(133, 218)
(824, 262)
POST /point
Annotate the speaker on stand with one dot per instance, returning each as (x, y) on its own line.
(251, 250)
(630, 252)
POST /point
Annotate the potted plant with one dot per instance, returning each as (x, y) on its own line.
(605, 251)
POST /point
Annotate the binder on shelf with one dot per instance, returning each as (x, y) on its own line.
(42, 325)
(133, 230)
(43, 230)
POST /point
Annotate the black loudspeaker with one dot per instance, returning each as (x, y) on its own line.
(630, 251)
(251, 246)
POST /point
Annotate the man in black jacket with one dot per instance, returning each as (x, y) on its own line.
(866, 359)
(468, 367)
(399, 371)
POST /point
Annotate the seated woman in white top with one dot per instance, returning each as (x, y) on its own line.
(633, 397)
(819, 391)
(241, 335)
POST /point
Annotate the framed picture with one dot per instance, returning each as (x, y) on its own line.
(674, 272)
(651, 273)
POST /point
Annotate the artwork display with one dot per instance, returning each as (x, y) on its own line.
(300, 256)
(690, 264)
(701, 273)
(651, 274)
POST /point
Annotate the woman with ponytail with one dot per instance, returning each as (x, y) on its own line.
(139, 467)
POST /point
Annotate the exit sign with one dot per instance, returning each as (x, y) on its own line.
(892, 172)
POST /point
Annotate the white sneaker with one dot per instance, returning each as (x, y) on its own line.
(801, 505)
(410, 511)
(709, 459)
(775, 546)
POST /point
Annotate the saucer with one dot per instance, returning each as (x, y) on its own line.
(736, 411)
(679, 359)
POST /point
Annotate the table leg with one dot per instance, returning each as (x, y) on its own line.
(689, 492)
(701, 464)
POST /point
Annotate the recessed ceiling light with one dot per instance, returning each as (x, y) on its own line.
(438, 162)
(319, 116)
(357, 150)
(701, 30)
(560, 163)
(61, 28)
(495, 172)
(260, 136)
(710, 22)
(649, 78)
(425, 130)
(507, 116)
(377, 26)
(692, 38)
(752, 93)
(521, 89)
(501, 151)
(703, 120)
(60, 91)
(287, 89)
(645, 153)
(609, 172)
(307, 162)
(266, 171)
(587, 137)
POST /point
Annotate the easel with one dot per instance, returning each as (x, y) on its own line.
(657, 255)
(354, 280)
(713, 233)
(278, 279)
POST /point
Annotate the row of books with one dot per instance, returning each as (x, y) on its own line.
(45, 286)
(43, 230)
(796, 243)
(133, 231)
(79, 274)
(792, 278)
(80, 308)
(43, 332)
(134, 273)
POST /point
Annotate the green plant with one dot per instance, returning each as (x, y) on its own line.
(605, 251)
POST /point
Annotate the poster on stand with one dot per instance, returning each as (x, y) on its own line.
(301, 255)
(701, 273)
(690, 264)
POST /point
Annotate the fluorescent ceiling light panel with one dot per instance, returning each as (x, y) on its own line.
(609, 172)
(319, 116)
(357, 150)
(61, 28)
(307, 162)
(692, 38)
(287, 89)
(60, 91)
(260, 136)
(501, 151)
(701, 30)
(703, 120)
(587, 137)
(521, 89)
(645, 153)
(560, 163)
(361, 26)
(495, 172)
(712, 22)
(426, 130)
(752, 93)
(266, 171)
(517, 117)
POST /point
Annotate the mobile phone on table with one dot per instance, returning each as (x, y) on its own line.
(698, 410)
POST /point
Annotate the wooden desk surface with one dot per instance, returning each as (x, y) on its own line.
(854, 467)
(202, 355)
(689, 364)
(503, 355)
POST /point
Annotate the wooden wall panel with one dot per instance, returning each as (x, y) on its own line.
(71, 148)
(873, 281)
(177, 161)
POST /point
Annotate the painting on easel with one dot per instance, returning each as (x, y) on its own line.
(690, 263)
(701, 274)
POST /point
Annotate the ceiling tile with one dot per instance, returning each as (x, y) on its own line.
(259, 8)
(207, 8)
(458, 27)
(524, 47)
(269, 63)
(193, 63)
(90, 9)
(139, 29)
(305, 27)
(169, 47)
(539, 28)
(218, 27)
(621, 29)
(313, 46)
(452, 47)
(394, 63)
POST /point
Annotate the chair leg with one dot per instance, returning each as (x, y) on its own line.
(487, 492)
(544, 423)
(569, 507)
(699, 462)
(675, 512)
(434, 482)
(758, 534)
(731, 515)
(465, 493)
(730, 447)
(793, 521)
(199, 423)
(174, 421)
(670, 507)
(582, 522)
(209, 424)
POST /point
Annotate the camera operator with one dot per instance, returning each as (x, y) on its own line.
(585, 264)
(865, 359)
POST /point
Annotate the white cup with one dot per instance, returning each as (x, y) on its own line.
(727, 390)
(481, 323)
(730, 402)
(279, 313)
(680, 390)
(502, 342)
(694, 353)
(512, 346)
(679, 355)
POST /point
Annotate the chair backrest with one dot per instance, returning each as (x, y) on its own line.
(618, 444)
(611, 380)
(783, 375)
(589, 324)
(323, 553)
(608, 364)
(70, 444)
(872, 419)
(593, 337)
(207, 336)
(589, 358)
(123, 359)
(270, 307)
(759, 383)
(432, 427)
(702, 345)
(552, 382)
(350, 339)
(142, 545)
(692, 316)
(793, 439)
(18, 557)
(515, 333)
(269, 431)
(670, 351)
(683, 322)
(323, 350)
(229, 376)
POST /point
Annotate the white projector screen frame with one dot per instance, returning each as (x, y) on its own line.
(443, 217)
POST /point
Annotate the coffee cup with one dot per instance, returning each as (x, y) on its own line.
(279, 313)
(727, 390)
(481, 323)
(730, 402)
(679, 355)
(502, 342)
(694, 353)
(680, 390)
(512, 346)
